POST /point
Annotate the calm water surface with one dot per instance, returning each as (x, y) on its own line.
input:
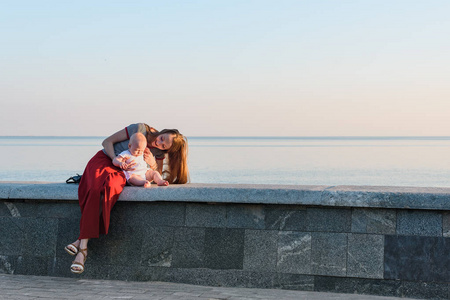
(394, 161)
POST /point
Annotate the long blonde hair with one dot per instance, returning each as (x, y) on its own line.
(177, 171)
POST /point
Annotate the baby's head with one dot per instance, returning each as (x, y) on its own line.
(137, 144)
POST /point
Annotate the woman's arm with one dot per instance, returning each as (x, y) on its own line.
(150, 159)
(118, 161)
(109, 142)
(160, 164)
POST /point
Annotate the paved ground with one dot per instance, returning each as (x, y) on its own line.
(39, 287)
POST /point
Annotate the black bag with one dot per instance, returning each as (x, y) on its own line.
(74, 179)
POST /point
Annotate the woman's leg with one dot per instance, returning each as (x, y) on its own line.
(97, 194)
(80, 258)
(99, 189)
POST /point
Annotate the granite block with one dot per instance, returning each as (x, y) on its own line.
(290, 218)
(344, 196)
(329, 219)
(157, 247)
(48, 209)
(5, 189)
(294, 282)
(121, 226)
(110, 271)
(245, 216)
(4, 210)
(446, 224)
(68, 232)
(417, 258)
(230, 193)
(151, 214)
(40, 237)
(12, 235)
(365, 256)
(224, 248)
(122, 245)
(206, 215)
(34, 265)
(358, 286)
(425, 290)
(8, 264)
(67, 209)
(378, 221)
(294, 252)
(189, 248)
(260, 250)
(115, 250)
(423, 223)
(12, 210)
(61, 268)
(329, 254)
(145, 273)
(43, 190)
(253, 279)
(387, 197)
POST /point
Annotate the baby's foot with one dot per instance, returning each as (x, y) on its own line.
(147, 184)
(163, 183)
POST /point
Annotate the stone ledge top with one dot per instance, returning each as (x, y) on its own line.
(336, 196)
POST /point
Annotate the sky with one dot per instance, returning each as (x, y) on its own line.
(226, 68)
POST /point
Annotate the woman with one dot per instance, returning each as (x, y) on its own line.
(102, 182)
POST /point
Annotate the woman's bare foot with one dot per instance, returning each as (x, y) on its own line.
(80, 258)
(72, 249)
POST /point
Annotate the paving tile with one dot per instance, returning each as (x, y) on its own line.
(37, 288)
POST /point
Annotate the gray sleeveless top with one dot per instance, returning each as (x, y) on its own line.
(132, 129)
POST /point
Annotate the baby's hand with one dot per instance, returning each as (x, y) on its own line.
(128, 166)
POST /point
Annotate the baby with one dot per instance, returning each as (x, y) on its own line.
(141, 175)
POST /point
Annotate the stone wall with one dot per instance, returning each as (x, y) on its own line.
(392, 241)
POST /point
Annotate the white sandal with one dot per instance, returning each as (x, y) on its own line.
(79, 265)
(71, 249)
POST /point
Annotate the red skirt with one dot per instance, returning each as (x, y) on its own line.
(99, 189)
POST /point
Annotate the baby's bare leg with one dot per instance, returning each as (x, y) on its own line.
(156, 177)
(138, 181)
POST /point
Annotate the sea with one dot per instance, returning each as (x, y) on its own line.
(375, 161)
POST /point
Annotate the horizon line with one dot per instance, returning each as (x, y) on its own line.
(249, 136)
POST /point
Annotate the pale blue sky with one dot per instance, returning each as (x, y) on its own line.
(233, 68)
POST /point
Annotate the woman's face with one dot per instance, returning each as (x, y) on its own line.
(163, 141)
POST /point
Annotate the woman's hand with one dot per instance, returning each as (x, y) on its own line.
(150, 159)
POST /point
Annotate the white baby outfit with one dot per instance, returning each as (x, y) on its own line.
(139, 169)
